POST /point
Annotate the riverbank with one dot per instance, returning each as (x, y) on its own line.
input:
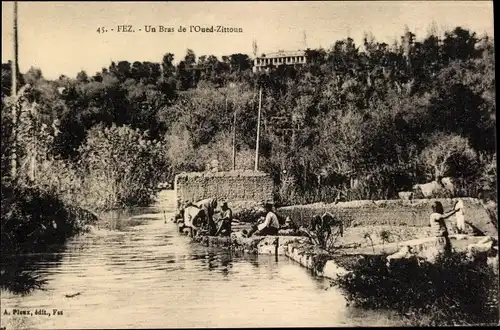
(33, 219)
(377, 278)
(374, 262)
(451, 290)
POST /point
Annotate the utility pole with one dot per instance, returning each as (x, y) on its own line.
(258, 132)
(35, 143)
(14, 98)
(234, 139)
(255, 48)
(232, 85)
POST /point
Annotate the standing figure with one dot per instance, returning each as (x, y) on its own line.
(460, 216)
(438, 224)
(208, 206)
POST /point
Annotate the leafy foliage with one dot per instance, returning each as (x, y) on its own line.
(121, 166)
(352, 123)
(33, 218)
(450, 291)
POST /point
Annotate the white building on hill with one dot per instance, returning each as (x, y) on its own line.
(279, 58)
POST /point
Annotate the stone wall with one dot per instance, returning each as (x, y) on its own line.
(391, 212)
(273, 245)
(240, 188)
(309, 257)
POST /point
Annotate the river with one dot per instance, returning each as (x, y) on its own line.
(142, 274)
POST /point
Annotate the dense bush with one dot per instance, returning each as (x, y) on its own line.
(32, 219)
(451, 291)
(120, 166)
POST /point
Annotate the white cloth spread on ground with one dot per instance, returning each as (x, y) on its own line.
(271, 221)
(460, 215)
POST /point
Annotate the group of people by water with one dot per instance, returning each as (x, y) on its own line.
(200, 217)
(203, 218)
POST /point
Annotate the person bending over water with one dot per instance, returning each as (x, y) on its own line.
(208, 206)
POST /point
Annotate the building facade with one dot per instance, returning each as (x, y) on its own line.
(265, 61)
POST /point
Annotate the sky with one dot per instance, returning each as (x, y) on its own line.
(62, 38)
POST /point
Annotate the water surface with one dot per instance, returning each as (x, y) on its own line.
(143, 274)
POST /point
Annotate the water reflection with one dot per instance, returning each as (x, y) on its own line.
(22, 274)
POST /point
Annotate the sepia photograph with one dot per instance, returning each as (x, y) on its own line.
(242, 164)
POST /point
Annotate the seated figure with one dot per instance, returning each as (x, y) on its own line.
(224, 223)
(266, 226)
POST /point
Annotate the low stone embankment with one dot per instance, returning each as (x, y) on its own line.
(297, 248)
(324, 264)
(414, 213)
(318, 261)
(274, 245)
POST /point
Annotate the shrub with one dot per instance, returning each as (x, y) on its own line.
(32, 218)
(450, 291)
(120, 166)
(445, 152)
